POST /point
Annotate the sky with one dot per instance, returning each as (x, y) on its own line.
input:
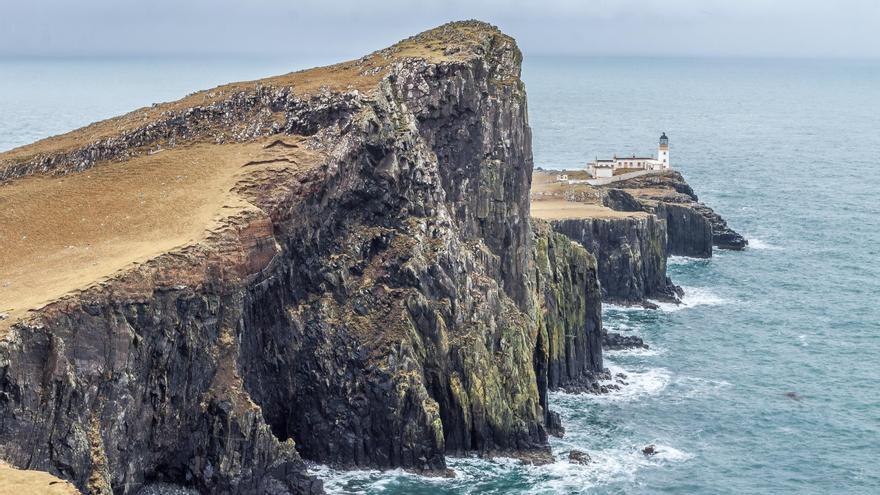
(349, 28)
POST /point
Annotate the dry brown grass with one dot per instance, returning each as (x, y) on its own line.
(60, 234)
(563, 210)
(445, 43)
(65, 233)
(655, 192)
(26, 482)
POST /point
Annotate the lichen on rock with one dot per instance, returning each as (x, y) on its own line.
(375, 302)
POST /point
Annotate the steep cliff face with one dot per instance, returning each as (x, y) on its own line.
(569, 348)
(670, 197)
(688, 232)
(376, 304)
(631, 253)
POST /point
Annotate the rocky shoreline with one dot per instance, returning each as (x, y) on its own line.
(383, 301)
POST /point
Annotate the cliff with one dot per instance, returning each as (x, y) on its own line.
(632, 227)
(693, 226)
(334, 264)
(629, 245)
(631, 253)
(569, 348)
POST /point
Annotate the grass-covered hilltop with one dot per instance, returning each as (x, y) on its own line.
(334, 265)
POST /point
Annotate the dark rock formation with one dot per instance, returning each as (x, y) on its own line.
(579, 457)
(569, 348)
(631, 254)
(722, 236)
(687, 232)
(616, 341)
(381, 309)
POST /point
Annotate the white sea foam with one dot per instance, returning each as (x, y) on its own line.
(621, 308)
(639, 384)
(693, 296)
(363, 481)
(652, 351)
(687, 387)
(760, 244)
(685, 260)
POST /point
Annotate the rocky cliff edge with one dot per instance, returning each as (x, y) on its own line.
(334, 264)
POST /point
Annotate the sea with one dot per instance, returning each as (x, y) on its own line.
(767, 378)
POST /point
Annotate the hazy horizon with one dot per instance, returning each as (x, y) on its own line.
(348, 29)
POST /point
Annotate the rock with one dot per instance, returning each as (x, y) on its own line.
(4, 316)
(554, 424)
(616, 341)
(570, 324)
(689, 234)
(649, 450)
(165, 489)
(359, 315)
(579, 457)
(631, 254)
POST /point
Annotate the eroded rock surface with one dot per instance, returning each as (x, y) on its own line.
(382, 305)
(631, 254)
(690, 234)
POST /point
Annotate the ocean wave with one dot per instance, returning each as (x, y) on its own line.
(621, 308)
(685, 260)
(364, 481)
(693, 296)
(755, 243)
(641, 352)
(608, 465)
(687, 387)
(639, 384)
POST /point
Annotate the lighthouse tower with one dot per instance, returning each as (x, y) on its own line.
(663, 153)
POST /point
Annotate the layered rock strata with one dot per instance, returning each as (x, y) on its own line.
(631, 253)
(570, 324)
(693, 226)
(376, 300)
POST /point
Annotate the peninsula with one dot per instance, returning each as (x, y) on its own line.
(335, 265)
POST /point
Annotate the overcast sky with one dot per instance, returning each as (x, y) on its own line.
(349, 28)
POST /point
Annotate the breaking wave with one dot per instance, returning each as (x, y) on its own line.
(505, 475)
(760, 244)
(693, 297)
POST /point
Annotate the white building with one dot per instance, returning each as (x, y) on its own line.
(605, 168)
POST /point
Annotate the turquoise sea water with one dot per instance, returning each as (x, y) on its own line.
(788, 151)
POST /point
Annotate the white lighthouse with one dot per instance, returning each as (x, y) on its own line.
(623, 166)
(663, 152)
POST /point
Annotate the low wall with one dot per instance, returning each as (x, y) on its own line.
(616, 178)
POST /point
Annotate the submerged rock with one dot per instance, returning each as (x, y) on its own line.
(649, 450)
(793, 396)
(616, 341)
(579, 457)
